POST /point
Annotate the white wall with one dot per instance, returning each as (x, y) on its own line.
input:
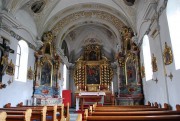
(165, 90)
(17, 91)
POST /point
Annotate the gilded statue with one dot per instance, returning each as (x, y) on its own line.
(142, 71)
(154, 63)
(167, 55)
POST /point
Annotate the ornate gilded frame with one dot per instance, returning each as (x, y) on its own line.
(94, 68)
(167, 55)
(10, 68)
(30, 74)
(46, 71)
(131, 72)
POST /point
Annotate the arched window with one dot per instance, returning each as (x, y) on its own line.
(173, 17)
(21, 61)
(64, 76)
(147, 58)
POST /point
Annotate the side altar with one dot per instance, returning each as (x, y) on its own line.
(47, 71)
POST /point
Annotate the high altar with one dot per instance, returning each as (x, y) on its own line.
(93, 73)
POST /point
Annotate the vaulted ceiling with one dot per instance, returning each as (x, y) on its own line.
(78, 22)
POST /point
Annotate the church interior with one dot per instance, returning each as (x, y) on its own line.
(92, 59)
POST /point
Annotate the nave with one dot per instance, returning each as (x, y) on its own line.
(79, 52)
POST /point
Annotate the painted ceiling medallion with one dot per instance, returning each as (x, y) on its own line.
(38, 6)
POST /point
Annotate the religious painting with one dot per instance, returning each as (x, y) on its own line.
(154, 63)
(10, 68)
(46, 73)
(131, 72)
(92, 74)
(92, 56)
(30, 74)
(167, 55)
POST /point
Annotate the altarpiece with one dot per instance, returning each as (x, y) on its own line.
(46, 87)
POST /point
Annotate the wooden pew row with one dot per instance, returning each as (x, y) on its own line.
(127, 108)
(67, 115)
(79, 118)
(133, 116)
(18, 115)
(135, 113)
(53, 112)
(37, 113)
(50, 111)
(3, 116)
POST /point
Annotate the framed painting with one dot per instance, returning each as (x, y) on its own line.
(131, 69)
(46, 73)
(93, 74)
(30, 74)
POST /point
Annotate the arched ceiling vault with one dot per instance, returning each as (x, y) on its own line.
(100, 20)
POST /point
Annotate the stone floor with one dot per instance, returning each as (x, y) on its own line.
(73, 115)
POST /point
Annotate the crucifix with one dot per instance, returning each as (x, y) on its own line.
(4, 53)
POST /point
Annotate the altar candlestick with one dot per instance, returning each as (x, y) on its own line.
(112, 87)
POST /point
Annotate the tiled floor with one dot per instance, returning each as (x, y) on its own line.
(73, 115)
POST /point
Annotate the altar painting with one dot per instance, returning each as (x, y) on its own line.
(92, 74)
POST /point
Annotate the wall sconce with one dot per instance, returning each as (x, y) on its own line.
(170, 76)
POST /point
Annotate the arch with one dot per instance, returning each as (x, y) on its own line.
(21, 61)
(147, 58)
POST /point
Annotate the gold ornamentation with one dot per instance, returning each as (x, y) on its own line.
(4, 60)
(92, 73)
(142, 71)
(30, 74)
(167, 54)
(154, 63)
(91, 14)
(10, 68)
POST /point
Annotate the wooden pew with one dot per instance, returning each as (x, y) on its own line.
(164, 117)
(134, 118)
(79, 118)
(178, 107)
(64, 111)
(60, 110)
(18, 115)
(50, 114)
(127, 108)
(3, 116)
(38, 113)
(135, 113)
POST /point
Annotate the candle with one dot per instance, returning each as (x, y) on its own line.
(112, 87)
